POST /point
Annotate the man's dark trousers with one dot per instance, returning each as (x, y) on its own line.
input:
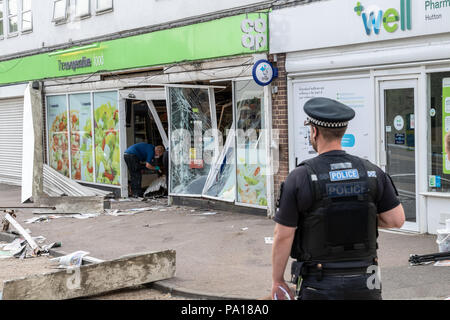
(134, 167)
(339, 288)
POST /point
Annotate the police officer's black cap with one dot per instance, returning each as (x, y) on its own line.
(328, 113)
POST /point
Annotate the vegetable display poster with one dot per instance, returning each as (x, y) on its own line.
(445, 121)
(106, 131)
(251, 158)
(81, 137)
(57, 133)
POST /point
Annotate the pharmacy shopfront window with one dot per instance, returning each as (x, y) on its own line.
(439, 126)
(83, 136)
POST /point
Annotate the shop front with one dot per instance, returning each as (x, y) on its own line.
(389, 61)
(189, 89)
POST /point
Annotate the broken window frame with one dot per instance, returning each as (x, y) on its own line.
(212, 110)
(215, 167)
(263, 138)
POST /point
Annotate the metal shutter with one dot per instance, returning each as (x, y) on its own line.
(11, 122)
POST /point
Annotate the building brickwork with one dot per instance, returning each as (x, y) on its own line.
(280, 120)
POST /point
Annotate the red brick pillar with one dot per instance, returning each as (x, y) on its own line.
(280, 120)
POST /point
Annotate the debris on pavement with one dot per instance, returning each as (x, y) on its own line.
(72, 260)
(26, 246)
(268, 240)
(415, 260)
(46, 218)
(5, 223)
(156, 186)
(244, 229)
(204, 214)
(129, 212)
(23, 233)
(445, 263)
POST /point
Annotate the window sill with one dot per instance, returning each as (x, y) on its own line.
(60, 22)
(79, 18)
(99, 13)
(13, 35)
(26, 32)
(445, 195)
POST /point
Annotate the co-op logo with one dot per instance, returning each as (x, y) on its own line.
(255, 33)
(373, 17)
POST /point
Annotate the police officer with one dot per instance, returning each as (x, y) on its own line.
(329, 212)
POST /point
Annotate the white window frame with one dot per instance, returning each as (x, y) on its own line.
(31, 18)
(105, 10)
(9, 16)
(2, 8)
(66, 16)
(85, 15)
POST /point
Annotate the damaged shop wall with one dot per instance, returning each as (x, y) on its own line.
(41, 184)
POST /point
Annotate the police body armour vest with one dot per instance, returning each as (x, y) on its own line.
(342, 223)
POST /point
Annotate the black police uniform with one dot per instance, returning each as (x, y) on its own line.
(333, 201)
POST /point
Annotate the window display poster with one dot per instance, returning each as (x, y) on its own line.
(251, 145)
(359, 139)
(58, 154)
(81, 137)
(106, 133)
(445, 121)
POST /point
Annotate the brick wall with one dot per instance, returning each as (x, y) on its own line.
(280, 120)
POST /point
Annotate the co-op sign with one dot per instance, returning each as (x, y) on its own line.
(255, 33)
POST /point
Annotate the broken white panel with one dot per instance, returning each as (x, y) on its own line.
(56, 185)
(27, 147)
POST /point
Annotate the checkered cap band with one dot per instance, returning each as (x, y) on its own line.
(327, 124)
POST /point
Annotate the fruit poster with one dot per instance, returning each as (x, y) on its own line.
(81, 137)
(58, 144)
(106, 128)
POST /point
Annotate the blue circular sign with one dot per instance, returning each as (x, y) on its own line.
(264, 72)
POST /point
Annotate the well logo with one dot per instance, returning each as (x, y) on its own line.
(374, 18)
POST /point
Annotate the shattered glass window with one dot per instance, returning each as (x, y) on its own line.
(221, 182)
(251, 144)
(190, 144)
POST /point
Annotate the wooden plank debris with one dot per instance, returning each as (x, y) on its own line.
(94, 279)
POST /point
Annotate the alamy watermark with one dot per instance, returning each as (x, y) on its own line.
(374, 280)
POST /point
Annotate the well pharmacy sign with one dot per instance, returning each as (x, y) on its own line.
(335, 23)
(389, 19)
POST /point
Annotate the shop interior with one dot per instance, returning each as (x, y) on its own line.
(142, 127)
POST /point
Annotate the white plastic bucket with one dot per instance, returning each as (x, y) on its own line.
(443, 238)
